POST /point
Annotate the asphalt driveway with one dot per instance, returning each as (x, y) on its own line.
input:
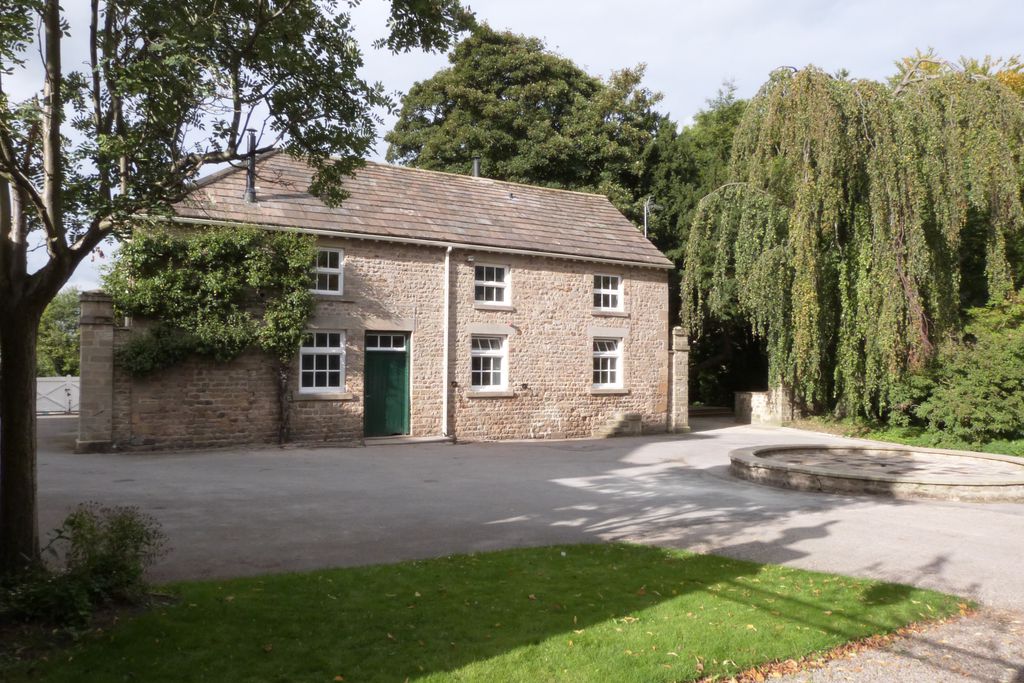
(253, 511)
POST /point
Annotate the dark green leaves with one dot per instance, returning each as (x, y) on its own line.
(214, 292)
(532, 116)
(856, 217)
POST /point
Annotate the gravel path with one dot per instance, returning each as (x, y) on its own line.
(988, 646)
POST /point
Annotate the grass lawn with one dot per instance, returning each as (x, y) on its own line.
(568, 613)
(910, 436)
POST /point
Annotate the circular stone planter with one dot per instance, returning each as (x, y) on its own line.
(895, 471)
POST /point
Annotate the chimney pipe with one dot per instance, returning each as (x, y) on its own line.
(476, 167)
(250, 172)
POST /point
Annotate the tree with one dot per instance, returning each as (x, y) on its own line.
(532, 116)
(681, 168)
(850, 226)
(169, 89)
(928, 64)
(57, 352)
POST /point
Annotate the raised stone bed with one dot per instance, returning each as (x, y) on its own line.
(894, 471)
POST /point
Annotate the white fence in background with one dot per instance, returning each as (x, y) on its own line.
(56, 395)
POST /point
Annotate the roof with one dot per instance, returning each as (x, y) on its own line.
(401, 203)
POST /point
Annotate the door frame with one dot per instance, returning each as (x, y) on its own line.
(390, 346)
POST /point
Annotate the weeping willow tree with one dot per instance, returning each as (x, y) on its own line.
(856, 215)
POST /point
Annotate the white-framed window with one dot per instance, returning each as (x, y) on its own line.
(607, 363)
(489, 363)
(382, 341)
(329, 273)
(322, 363)
(490, 284)
(607, 293)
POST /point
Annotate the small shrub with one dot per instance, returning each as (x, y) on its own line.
(99, 556)
(977, 392)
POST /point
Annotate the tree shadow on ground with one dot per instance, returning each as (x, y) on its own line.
(538, 614)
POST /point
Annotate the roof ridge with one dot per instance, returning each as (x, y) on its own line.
(224, 172)
(450, 174)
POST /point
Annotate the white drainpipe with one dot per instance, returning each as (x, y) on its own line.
(444, 341)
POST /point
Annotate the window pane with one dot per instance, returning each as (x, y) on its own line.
(334, 379)
(321, 259)
(307, 362)
(478, 273)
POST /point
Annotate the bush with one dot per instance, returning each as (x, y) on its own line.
(974, 391)
(99, 556)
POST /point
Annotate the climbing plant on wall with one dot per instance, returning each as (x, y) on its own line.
(858, 219)
(214, 292)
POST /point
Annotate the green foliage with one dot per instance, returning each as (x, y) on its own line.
(214, 292)
(840, 237)
(974, 391)
(532, 116)
(684, 167)
(100, 553)
(57, 347)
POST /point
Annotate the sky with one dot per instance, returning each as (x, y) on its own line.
(691, 46)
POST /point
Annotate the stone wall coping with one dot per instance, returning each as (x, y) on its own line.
(750, 458)
(97, 295)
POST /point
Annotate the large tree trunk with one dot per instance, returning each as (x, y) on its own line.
(19, 525)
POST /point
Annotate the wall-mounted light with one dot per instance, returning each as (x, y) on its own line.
(470, 259)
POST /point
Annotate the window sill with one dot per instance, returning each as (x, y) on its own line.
(605, 313)
(331, 296)
(325, 396)
(608, 391)
(490, 394)
(492, 307)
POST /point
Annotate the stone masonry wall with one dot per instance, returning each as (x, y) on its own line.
(395, 287)
(201, 403)
(550, 326)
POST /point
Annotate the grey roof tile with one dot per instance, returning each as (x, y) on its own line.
(402, 202)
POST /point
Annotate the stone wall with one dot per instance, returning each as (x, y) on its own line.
(773, 406)
(550, 325)
(397, 287)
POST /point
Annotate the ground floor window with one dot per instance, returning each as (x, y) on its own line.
(489, 366)
(607, 363)
(322, 362)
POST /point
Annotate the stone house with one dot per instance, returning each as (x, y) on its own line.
(448, 306)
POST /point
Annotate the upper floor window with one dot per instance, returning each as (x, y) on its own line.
(490, 284)
(607, 363)
(489, 366)
(607, 292)
(322, 363)
(328, 276)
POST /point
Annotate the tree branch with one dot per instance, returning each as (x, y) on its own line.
(53, 112)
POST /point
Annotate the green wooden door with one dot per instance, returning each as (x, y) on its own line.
(386, 399)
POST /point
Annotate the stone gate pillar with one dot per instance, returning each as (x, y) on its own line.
(96, 397)
(679, 417)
